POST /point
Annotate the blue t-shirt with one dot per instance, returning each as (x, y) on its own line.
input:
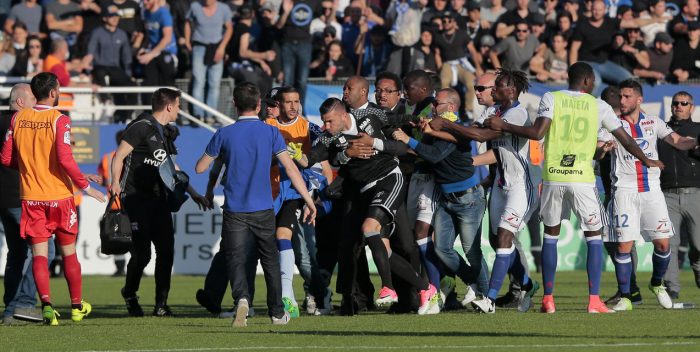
(155, 22)
(247, 148)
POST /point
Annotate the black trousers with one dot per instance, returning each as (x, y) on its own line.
(117, 78)
(151, 222)
(239, 229)
(160, 72)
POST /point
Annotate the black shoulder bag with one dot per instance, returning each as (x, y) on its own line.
(175, 181)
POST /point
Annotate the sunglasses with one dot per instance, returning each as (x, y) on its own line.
(327, 8)
(522, 30)
(482, 88)
(682, 103)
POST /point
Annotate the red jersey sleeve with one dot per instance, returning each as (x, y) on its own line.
(61, 73)
(8, 153)
(65, 154)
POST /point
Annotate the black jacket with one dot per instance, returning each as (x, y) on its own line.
(9, 178)
(682, 167)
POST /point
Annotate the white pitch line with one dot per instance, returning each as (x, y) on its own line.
(255, 348)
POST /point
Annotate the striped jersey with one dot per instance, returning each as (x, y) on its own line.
(512, 152)
(627, 172)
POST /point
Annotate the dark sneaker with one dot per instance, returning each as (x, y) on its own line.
(697, 278)
(132, 305)
(28, 314)
(612, 301)
(206, 302)
(162, 310)
(636, 297)
(509, 300)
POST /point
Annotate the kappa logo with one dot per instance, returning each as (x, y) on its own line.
(663, 226)
(159, 155)
(73, 218)
(593, 219)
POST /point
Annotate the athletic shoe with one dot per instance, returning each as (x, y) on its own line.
(548, 304)
(290, 308)
(28, 314)
(78, 314)
(612, 301)
(662, 296)
(205, 301)
(447, 286)
(132, 305)
(484, 305)
(241, 317)
(595, 305)
(508, 301)
(525, 301)
(327, 304)
(623, 304)
(386, 296)
(50, 315)
(696, 273)
(283, 320)
(310, 305)
(429, 301)
(162, 310)
(468, 297)
(636, 297)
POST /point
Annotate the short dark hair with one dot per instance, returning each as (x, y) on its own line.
(683, 93)
(162, 97)
(389, 76)
(579, 72)
(42, 85)
(633, 84)
(421, 77)
(332, 104)
(285, 90)
(246, 96)
(611, 95)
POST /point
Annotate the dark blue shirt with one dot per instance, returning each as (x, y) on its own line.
(247, 148)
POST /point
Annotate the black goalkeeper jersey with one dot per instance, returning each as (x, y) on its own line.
(373, 122)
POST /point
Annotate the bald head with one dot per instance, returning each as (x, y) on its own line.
(21, 97)
(483, 87)
(355, 91)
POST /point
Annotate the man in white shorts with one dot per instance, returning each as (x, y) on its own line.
(638, 208)
(570, 119)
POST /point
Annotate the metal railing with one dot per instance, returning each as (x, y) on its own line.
(95, 109)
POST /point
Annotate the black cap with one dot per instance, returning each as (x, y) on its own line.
(270, 96)
(448, 14)
(109, 11)
(663, 37)
(537, 18)
(693, 25)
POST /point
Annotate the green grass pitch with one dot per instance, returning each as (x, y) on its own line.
(647, 328)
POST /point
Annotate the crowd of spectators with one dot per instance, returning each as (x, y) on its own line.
(283, 42)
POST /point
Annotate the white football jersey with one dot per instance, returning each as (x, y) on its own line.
(512, 152)
(628, 172)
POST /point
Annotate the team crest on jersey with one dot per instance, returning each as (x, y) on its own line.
(568, 160)
(649, 131)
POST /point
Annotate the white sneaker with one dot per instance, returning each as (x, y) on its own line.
(310, 305)
(468, 297)
(228, 314)
(241, 319)
(282, 320)
(662, 296)
(484, 305)
(328, 305)
(623, 304)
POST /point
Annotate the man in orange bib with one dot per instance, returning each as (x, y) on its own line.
(38, 144)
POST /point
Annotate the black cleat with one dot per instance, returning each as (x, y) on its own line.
(636, 297)
(162, 310)
(132, 305)
(509, 300)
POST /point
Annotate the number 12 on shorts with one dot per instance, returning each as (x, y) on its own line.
(621, 220)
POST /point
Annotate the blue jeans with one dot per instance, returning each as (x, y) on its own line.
(462, 216)
(296, 57)
(609, 72)
(20, 290)
(205, 75)
(304, 243)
